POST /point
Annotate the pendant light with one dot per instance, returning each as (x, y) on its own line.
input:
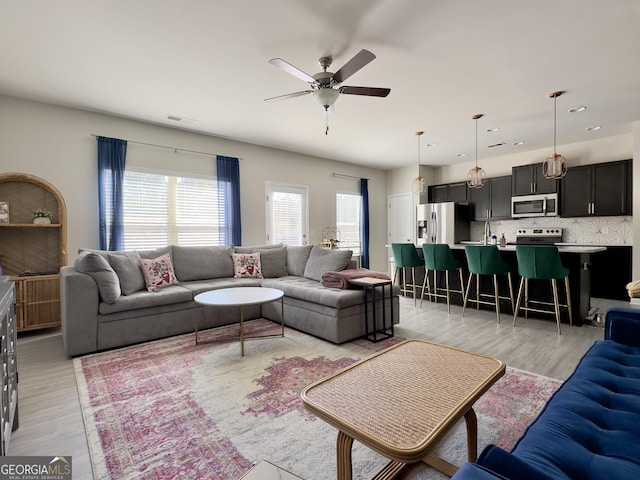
(554, 166)
(419, 184)
(476, 177)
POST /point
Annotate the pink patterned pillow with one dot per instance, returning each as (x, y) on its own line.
(158, 272)
(247, 265)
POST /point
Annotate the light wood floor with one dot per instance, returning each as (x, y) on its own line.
(51, 422)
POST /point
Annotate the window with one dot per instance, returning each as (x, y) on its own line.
(162, 209)
(348, 220)
(287, 214)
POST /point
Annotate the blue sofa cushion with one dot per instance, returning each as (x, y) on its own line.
(590, 428)
(503, 463)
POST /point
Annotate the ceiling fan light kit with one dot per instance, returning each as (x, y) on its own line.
(325, 85)
(476, 177)
(554, 166)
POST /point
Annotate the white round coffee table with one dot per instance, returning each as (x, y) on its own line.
(241, 297)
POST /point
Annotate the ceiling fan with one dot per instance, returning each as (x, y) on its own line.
(325, 85)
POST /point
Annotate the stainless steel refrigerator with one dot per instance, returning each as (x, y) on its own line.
(446, 222)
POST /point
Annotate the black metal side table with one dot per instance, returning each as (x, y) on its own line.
(369, 285)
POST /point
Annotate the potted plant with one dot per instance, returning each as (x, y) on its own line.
(41, 216)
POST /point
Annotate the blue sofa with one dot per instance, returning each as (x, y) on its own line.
(590, 428)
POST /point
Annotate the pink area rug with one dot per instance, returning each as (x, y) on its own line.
(170, 409)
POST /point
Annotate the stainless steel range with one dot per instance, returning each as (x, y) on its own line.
(538, 236)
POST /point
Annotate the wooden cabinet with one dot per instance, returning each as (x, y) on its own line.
(601, 189)
(529, 179)
(492, 201)
(32, 254)
(9, 373)
(448, 192)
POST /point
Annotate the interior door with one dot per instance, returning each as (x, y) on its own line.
(401, 219)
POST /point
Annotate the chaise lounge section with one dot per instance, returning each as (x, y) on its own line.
(589, 429)
(105, 301)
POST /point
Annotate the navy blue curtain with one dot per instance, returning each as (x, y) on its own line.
(228, 173)
(364, 222)
(112, 153)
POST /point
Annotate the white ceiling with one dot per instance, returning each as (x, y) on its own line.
(444, 61)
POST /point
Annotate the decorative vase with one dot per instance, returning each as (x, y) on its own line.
(42, 220)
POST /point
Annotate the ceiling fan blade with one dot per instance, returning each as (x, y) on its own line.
(352, 66)
(369, 91)
(288, 95)
(296, 72)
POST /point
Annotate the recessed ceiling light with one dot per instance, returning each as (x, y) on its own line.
(521, 142)
(179, 119)
(431, 144)
(499, 144)
(494, 129)
(462, 154)
(580, 108)
(594, 128)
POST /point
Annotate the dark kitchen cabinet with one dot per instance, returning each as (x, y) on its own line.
(529, 179)
(492, 200)
(601, 189)
(448, 192)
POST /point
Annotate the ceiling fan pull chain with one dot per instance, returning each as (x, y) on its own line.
(326, 119)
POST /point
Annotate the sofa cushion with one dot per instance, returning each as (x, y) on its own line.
(246, 265)
(273, 259)
(322, 260)
(96, 265)
(201, 263)
(127, 266)
(171, 295)
(312, 292)
(158, 272)
(297, 257)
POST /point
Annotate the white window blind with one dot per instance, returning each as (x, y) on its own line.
(287, 214)
(348, 220)
(161, 209)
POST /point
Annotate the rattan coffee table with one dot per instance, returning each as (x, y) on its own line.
(401, 401)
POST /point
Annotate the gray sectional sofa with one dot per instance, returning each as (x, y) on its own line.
(105, 302)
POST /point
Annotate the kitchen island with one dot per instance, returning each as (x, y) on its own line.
(577, 258)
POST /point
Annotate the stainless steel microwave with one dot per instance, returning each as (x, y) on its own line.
(540, 205)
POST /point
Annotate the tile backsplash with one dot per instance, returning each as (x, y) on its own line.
(586, 230)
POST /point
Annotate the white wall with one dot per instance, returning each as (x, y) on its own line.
(54, 143)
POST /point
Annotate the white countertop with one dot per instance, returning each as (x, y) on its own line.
(562, 247)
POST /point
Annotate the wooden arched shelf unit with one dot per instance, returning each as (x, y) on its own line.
(32, 254)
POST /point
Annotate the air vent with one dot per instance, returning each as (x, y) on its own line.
(499, 144)
(176, 118)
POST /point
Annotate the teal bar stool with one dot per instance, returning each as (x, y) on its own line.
(405, 256)
(438, 258)
(541, 263)
(486, 260)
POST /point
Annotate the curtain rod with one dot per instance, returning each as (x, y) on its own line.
(346, 176)
(175, 149)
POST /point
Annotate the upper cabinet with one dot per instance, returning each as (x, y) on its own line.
(448, 192)
(493, 200)
(601, 189)
(529, 179)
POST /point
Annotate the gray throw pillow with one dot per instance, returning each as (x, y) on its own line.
(258, 248)
(95, 265)
(127, 267)
(274, 262)
(322, 260)
(202, 263)
(297, 257)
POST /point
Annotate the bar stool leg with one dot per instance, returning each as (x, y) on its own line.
(566, 286)
(425, 283)
(526, 297)
(477, 292)
(517, 309)
(413, 282)
(466, 295)
(556, 305)
(510, 291)
(495, 294)
(446, 279)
